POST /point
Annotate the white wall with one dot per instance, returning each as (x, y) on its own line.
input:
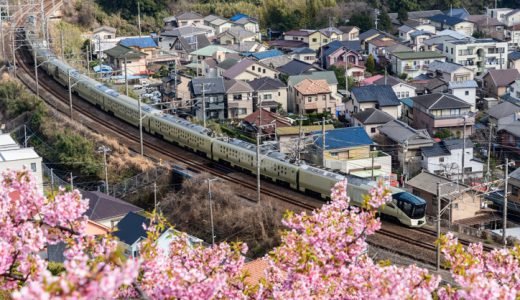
(467, 94)
(403, 91)
(453, 163)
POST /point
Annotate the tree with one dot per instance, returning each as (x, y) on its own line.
(385, 23)
(363, 21)
(370, 65)
(402, 14)
(321, 256)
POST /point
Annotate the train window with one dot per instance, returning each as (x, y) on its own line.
(390, 205)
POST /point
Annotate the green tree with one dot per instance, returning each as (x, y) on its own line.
(402, 14)
(370, 65)
(443, 133)
(385, 23)
(363, 21)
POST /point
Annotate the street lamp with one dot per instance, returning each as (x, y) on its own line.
(211, 209)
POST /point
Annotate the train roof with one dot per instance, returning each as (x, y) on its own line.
(322, 172)
(184, 123)
(266, 149)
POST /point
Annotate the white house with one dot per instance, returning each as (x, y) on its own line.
(13, 157)
(401, 88)
(465, 90)
(413, 63)
(445, 158)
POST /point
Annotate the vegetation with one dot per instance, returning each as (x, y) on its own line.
(370, 65)
(443, 133)
(340, 75)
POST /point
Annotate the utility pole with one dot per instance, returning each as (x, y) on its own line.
(323, 141)
(2, 33)
(52, 180)
(376, 19)
(61, 42)
(464, 148)
(24, 136)
(71, 181)
(258, 162)
(70, 96)
(372, 156)
(155, 195)
(488, 173)
(300, 136)
(438, 254)
(140, 126)
(504, 215)
(405, 150)
(204, 105)
(88, 60)
(211, 210)
(126, 78)
(104, 149)
(139, 17)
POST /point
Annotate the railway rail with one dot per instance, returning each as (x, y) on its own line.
(24, 62)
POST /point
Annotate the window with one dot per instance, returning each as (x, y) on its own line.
(325, 40)
(466, 93)
(441, 159)
(253, 68)
(437, 112)
(263, 71)
(455, 205)
(455, 111)
(242, 111)
(33, 167)
(373, 130)
(268, 96)
(324, 97)
(309, 99)
(314, 40)
(237, 97)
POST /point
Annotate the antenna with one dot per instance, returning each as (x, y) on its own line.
(376, 16)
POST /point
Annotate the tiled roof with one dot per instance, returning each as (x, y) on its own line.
(295, 67)
(189, 16)
(440, 101)
(335, 45)
(444, 66)
(342, 138)
(418, 55)
(192, 43)
(445, 19)
(461, 13)
(400, 132)
(303, 50)
(371, 80)
(140, 42)
(483, 20)
(416, 14)
(287, 44)
(298, 32)
(420, 32)
(514, 11)
(264, 54)
(347, 29)
(244, 21)
(101, 206)
(437, 149)
(256, 270)
(383, 42)
(267, 118)
(211, 49)
(120, 51)
(503, 77)
(453, 144)
(330, 30)
(277, 61)
(313, 87)
(293, 130)
(187, 31)
(238, 32)
(238, 16)
(398, 48)
(462, 84)
(238, 68)
(227, 63)
(512, 56)
(405, 28)
(245, 46)
(237, 86)
(371, 116)
(130, 228)
(389, 80)
(105, 28)
(503, 109)
(266, 84)
(428, 182)
(382, 94)
(212, 85)
(327, 75)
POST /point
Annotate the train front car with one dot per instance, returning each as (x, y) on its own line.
(412, 208)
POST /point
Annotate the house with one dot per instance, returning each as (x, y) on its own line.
(418, 38)
(496, 82)
(184, 46)
(514, 60)
(217, 23)
(413, 63)
(236, 35)
(131, 232)
(449, 71)
(404, 144)
(263, 54)
(225, 65)
(271, 92)
(371, 34)
(314, 96)
(146, 45)
(239, 98)
(512, 18)
(512, 36)
(248, 69)
(304, 54)
(407, 110)
(508, 140)
(292, 81)
(214, 91)
(435, 112)
(104, 33)
(247, 47)
(249, 24)
(340, 51)
(513, 187)
(129, 61)
(461, 206)
(436, 43)
(350, 33)
(498, 13)
(374, 96)
(292, 138)
(296, 67)
(445, 158)
(216, 51)
(267, 120)
(442, 21)
(13, 157)
(189, 19)
(370, 119)
(460, 13)
(349, 150)
(377, 47)
(465, 90)
(176, 90)
(287, 45)
(491, 27)
(107, 210)
(479, 55)
(313, 38)
(332, 33)
(426, 85)
(503, 114)
(401, 88)
(276, 61)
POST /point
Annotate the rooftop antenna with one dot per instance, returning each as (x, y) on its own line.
(451, 10)
(139, 17)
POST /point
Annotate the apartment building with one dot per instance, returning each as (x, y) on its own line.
(479, 55)
(413, 63)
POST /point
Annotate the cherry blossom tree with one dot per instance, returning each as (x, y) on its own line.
(321, 256)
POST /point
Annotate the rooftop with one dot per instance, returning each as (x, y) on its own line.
(382, 94)
(401, 132)
(503, 109)
(102, 206)
(189, 16)
(462, 84)
(295, 130)
(372, 116)
(418, 55)
(264, 54)
(444, 66)
(18, 154)
(503, 77)
(139, 42)
(312, 87)
(295, 67)
(237, 86)
(211, 49)
(266, 84)
(120, 51)
(445, 19)
(341, 138)
(238, 68)
(212, 85)
(327, 75)
(428, 182)
(440, 101)
(238, 32)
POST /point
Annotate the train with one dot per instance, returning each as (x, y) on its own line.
(407, 208)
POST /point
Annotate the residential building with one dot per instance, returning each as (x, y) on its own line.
(460, 13)
(292, 81)
(442, 21)
(248, 69)
(374, 96)
(401, 88)
(107, 210)
(216, 51)
(413, 63)
(239, 98)
(513, 188)
(263, 54)
(189, 19)
(146, 45)
(249, 24)
(340, 51)
(445, 158)
(217, 23)
(247, 47)
(287, 45)
(225, 65)
(269, 121)
(418, 38)
(479, 55)
(498, 13)
(465, 90)
(332, 33)
(13, 157)
(131, 232)
(437, 111)
(292, 138)
(184, 46)
(407, 110)
(127, 60)
(276, 61)
(104, 33)
(404, 144)
(236, 35)
(214, 97)
(512, 18)
(271, 92)
(460, 206)
(514, 92)
(304, 54)
(297, 67)
(349, 150)
(313, 38)
(496, 82)
(371, 34)
(350, 33)
(370, 119)
(314, 96)
(449, 71)
(491, 27)
(512, 36)
(514, 60)
(508, 140)
(377, 47)
(503, 114)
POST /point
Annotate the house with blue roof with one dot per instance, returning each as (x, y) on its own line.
(351, 150)
(144, 44)
(443, 21)
(340, 51)
(263, 54)
(304, 54)
(374, 96)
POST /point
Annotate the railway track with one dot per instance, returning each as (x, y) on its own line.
(24, 61)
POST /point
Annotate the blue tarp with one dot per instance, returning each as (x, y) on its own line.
(103, 69)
